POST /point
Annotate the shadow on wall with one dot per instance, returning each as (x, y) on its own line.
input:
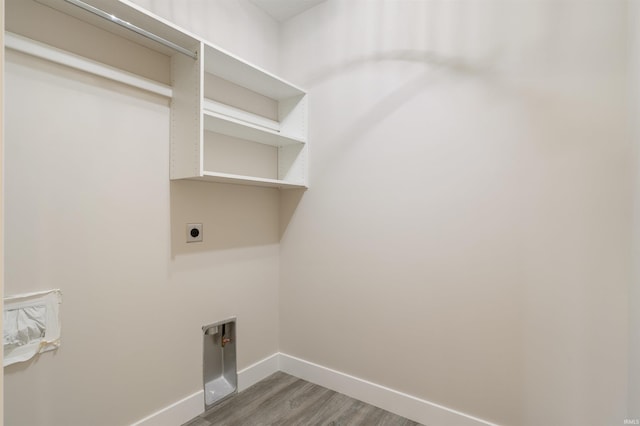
(431, 59)
(232, 216)
(435, 70)
(468, 37)
(289, 200)
(436, 43)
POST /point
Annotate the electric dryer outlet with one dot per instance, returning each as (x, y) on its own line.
(194, 232)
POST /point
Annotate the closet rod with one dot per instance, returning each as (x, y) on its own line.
(151, 36)
(71, 60)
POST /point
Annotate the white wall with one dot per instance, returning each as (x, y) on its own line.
(466, 236)
(90, 210)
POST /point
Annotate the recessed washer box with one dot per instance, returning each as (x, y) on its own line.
(219, 372)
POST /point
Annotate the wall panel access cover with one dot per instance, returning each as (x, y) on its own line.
(31, 325)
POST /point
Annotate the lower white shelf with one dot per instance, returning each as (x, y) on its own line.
(247, 180)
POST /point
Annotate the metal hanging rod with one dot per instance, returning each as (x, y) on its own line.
(109, 17)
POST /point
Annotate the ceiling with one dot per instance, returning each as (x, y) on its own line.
(281, 10)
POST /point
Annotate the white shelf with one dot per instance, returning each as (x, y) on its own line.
(217, 60)
(242, 73)
(229, 126)
(244, 116)
(247, 180)
(134, 14)
(250, 95)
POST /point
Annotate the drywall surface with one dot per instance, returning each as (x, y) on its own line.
(1, 193)
(238, 26)
(634, 293)
(466, 235)
(90, 210)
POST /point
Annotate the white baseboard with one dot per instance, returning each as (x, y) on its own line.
(177, 413)
(192, 406)
(404, 405)
(258, 371)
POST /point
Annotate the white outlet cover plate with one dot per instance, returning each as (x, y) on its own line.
(192, 226)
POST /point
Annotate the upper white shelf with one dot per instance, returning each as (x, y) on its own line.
(133, 14)
(217, 61)
(231, 68)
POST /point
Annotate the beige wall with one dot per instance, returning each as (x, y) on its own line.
(465, 239)
(1, 193)
(90, 210)
(466, 236)
(634, 294)
(237, 26)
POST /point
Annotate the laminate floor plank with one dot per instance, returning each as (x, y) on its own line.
(332, 412)
(284, 400)
(253, 400)
(309, 409)
(198, 421)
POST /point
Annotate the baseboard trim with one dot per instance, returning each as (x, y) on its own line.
(177, 413)
(419, 410)
(192, 406)
(262, 369)
(404, 405)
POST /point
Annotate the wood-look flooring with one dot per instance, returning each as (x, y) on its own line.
(281, 399)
